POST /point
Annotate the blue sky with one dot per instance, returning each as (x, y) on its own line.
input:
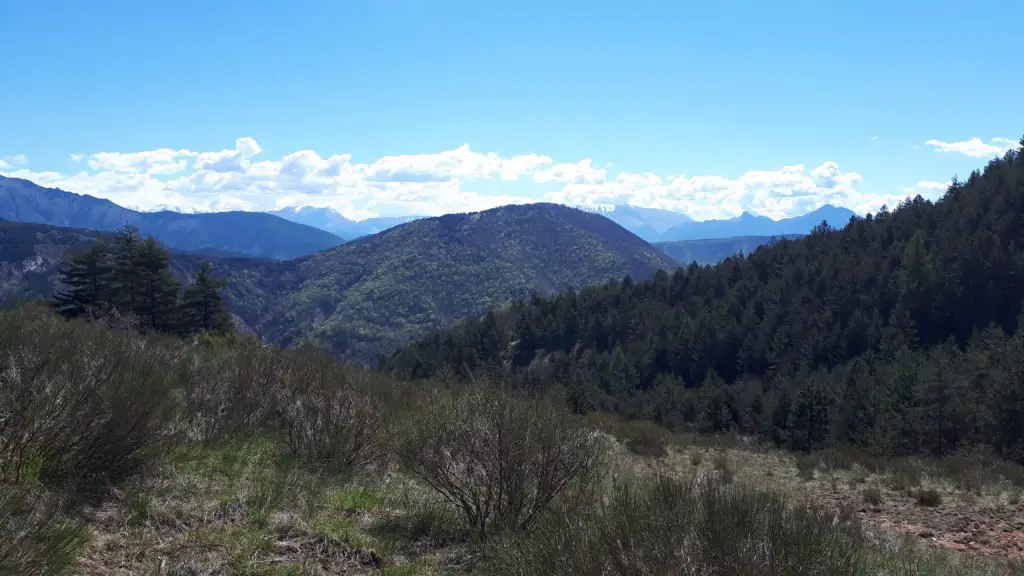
(409, 106)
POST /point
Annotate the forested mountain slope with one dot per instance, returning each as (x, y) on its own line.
(876, 335)
(366, 297)
(250, 233)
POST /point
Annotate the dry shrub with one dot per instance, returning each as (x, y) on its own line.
(235, 390)
(500, 458)
(723, 466)
(905, 473)
(37, 540)
(80, 406)
(873, 496)
(928, 497)
(333, 416)
(805, 465)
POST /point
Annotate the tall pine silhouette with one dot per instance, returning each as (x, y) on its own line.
(203, 309)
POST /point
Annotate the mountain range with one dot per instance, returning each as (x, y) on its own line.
(714, 250)
(332, 221)
(651, 224)
(248, 233)
(748, 224)
(366, 297)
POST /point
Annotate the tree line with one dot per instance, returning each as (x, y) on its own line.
(128, 276)
(898, 333)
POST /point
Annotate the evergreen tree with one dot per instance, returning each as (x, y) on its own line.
(89, 280)
(157, 297)
(203, 309)
(126, 247)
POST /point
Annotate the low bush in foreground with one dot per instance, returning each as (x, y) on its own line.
(36, 540)
(333, 417)
(669, 526)
(81, 406)
(500, 458)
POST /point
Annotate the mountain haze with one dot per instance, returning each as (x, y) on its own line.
(249, 233)
(748, 224)
(332, 221)
(647, 223)
(714, 250)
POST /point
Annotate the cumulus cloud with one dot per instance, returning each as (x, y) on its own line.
(974, 147)
(238, 178)
(787, 191)
(162, 161)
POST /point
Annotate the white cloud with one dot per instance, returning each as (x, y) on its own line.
(874, 138)
(162, 161)
(77, 157)
(974, 147)
(927, 189)
(437, 183)
(787, 191)
(9, 162)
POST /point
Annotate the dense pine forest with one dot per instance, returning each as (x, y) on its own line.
(897, 334)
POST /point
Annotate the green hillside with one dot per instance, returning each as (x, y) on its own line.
(897, 334)
(367, 297)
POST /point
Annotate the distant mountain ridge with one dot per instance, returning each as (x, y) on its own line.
(748, 224)
(249, 233)
(714, 250)
(650, 224)
(332, 221)
(647, 223)
(366, 297)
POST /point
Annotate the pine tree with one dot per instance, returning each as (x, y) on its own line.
(88, 277)
(203, 309)
(127, 244)
(157, 300)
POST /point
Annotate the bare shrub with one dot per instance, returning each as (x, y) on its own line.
(81, 406)
(235, 389)
(905, 473)
(37, 540)
(332, 415)
(873, 496)
(500, 458)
